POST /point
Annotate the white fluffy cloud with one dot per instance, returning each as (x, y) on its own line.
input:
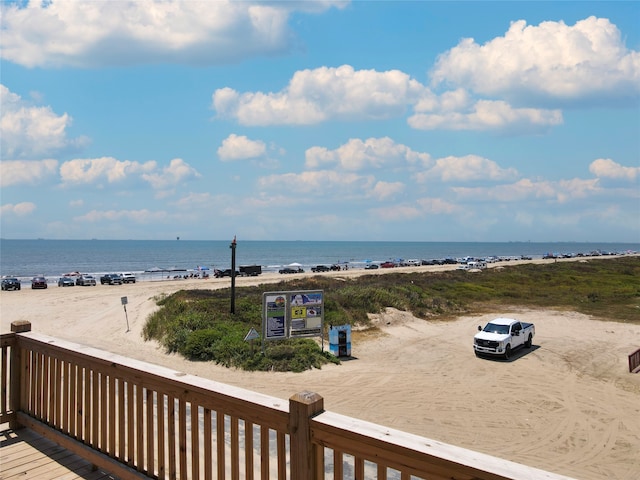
(324, 93)
(607, 168)
(178, 171)
(91, 170)
(143, 216)
(113, 171)
(18, 209)
(28, 131)
(384, 190)
(322, 182)
(422, 207)
(359, 154)
(239, 147)
(89, 34)
(467, 168)
(550, 60)
(485, 115)
(525, 189)
(25, 172)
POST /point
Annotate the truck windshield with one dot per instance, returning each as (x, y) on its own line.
(493, 328)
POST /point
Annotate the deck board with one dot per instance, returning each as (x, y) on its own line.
(25, 454)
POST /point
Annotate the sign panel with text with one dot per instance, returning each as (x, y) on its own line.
(292, 314)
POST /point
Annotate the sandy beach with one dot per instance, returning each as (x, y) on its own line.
(567, 405)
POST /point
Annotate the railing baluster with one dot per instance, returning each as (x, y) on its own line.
(4, 406)
(43, 390)
(235, 446)
(208, 452)
(182, 440)
(282, 455)
(139, 422)
(160, 415)
(338, 465)
(248, 449)
(87, 379)
(122, 420)
(195, 441)
(103, 406)
(54, 387)
(131, 424)
(171, 435)
(150, 433)
(112, 422)
(220, 457)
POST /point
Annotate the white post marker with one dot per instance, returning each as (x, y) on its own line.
(124, 302)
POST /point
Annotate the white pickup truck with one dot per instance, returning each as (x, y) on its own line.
(503, 335)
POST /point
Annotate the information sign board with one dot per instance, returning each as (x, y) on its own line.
(292, 314)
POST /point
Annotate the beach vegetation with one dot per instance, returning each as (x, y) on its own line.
(198, 323)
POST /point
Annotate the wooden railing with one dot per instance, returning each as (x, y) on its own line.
(139, 420)
(634, 362)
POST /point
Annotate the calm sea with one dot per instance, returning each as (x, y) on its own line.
(52, 258)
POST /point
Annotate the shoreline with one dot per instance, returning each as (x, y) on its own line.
(347, 269)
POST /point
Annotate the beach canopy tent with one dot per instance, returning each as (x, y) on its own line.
(158, 270)
(295, 264)
(177, 269)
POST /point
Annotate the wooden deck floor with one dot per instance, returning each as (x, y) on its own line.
(26, 455)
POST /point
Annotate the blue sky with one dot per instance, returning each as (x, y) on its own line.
(421, 121)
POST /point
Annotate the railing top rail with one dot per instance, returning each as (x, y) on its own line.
(7, 339)
(401, 449)
(266, 410)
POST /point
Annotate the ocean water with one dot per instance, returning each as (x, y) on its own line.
(52, 258)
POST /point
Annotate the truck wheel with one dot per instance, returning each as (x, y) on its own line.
(507, 352)
(529, 342)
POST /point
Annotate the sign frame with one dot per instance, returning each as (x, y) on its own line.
(292, 314)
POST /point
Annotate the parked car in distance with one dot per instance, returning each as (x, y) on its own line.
(250, 270)
(128, 277)
(86, 281)
(225, 273)
(38, 282)
(387, 265)
(371, 266)
(10, 283)
(335, 267)
(111, 279)
(66, 282)
(291, 270)
(320, 268)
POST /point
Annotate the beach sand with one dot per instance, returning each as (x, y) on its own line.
(568, 405)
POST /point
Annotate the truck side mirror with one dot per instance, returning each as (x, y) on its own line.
(479, 328)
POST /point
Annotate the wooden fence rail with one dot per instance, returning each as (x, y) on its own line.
(634, 362)
(139, 420)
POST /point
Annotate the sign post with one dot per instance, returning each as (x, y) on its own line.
(233, 274)
(124, 302)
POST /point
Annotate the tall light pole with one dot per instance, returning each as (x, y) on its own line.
(233, 275)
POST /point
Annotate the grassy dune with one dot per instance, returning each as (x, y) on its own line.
(198, 325)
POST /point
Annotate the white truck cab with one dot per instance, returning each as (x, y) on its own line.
(503, 335)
